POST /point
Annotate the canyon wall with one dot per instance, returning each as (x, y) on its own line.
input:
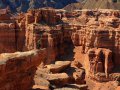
(12, 34)
(84, 29)
(7, 33)
(89, 37)
(18, 69)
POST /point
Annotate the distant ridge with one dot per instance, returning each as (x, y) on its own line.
(24, 5)
(101, 4)
(73, 6)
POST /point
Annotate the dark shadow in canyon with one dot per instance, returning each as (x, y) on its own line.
(68, 50)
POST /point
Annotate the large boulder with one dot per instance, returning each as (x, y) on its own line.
(41, 83)
(58, 66)
(79, 76)
(55, 79)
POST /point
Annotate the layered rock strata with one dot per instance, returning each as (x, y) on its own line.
(90, 37)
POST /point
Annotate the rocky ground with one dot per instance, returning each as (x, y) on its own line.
(59, 76)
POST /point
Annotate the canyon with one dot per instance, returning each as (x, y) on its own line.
(53, 49)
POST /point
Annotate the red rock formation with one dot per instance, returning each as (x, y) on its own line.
(91, 38)
(88, 31)
(48, 16)
(99, 60)
(18, 69)
(8, 38)
(12, 34)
